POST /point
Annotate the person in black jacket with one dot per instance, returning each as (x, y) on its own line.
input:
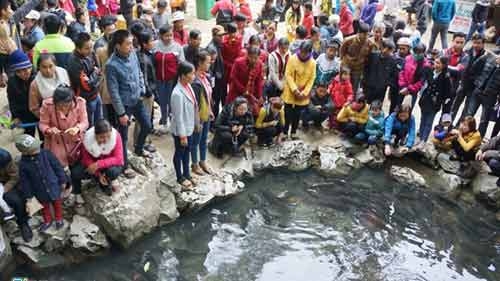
(217, 70)
(381, 72)
(320, 107)
(18, 91)
(85, 77)
(435, 97)
(469, 75)
(146, 62)
(486, 91)
(233, 127)
(479, 17)
(192, 49)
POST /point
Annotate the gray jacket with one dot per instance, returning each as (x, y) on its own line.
(184, 114)
(125, 81)
(492, 148)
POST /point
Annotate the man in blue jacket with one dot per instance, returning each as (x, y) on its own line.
(443, 12)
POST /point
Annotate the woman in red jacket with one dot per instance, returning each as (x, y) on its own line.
(102, 158)
(346, 20)
(247, 80)
(341, 92)
(231, 49)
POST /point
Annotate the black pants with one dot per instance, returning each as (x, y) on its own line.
(462, 93)
(266, 135)
(494, 165)
(78, 174)
(396, 99)
(292, 117)
(224, 142)
(110, 115)
(15, 199)
(373, 94)
(461, 153)
(315, 116)
(486, 101)
(350, 129)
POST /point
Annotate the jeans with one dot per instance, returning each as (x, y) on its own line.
(315, 116)
(181, 158)
(356, 82)
(141, 116)
(486, 102)
(292, 117)
(200, 140)
(94, 110)
(17, 203)
(148, 105)
(476, 26)
(442, 29)
(426, 121)
(58, 210)
(78, 174)
(165, 92)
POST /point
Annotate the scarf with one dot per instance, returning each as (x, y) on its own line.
(46, 86)
(301, 59)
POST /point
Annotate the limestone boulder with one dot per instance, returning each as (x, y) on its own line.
(373, 156)
(87, 236)
(428, 155)
(452, 183)
(129, 213)
(5, 251)
(485, 188)
(155, 166)
(407, 176)
(448, 165)
(168, 206)
(293, 155)
(333, 160)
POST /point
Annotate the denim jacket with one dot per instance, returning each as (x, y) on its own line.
(125, 81)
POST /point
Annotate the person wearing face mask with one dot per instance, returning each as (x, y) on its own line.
(381, 71)
(436, 96)
(411, 78)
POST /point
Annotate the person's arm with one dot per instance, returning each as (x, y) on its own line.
(57, 167)
(282, 117)
(215, 9)
(83, 121)
(259, 123)
(44, 123)
(343, 116)
(389, 122)
(435, 13)
(113, 89)
(177, 108)
(310, 82)
(34, 99)
(471, 144)
(273, 72)
(453, 10)
(362, 117)
(259, 84)
(13, 174)
(116, 156)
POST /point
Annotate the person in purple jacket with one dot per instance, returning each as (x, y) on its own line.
(369, 11)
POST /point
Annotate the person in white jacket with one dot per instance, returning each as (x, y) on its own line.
(276, 67)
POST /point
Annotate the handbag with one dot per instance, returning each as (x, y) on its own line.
(75, 153)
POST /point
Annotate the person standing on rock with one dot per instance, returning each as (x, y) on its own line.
(185, 115)
(490, 153)
(102, 158)
(126, 86)
(217, 69)
(12, 194)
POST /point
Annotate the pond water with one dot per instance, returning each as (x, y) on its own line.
(302, 227)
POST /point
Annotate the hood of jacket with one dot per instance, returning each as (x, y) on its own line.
(95, 149)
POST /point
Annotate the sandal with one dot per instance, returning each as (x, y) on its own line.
(205, 168)
(185, 183)
(193, 182)
(145, 154)
(197, 170)
(129, 173)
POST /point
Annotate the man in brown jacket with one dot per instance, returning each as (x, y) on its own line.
(12, 195)
(354, 54)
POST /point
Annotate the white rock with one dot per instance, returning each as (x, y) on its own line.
(5, 251)
(446, 164)
(407, 176)
(294, 155)
(86, 235)
(334, 161)
(485, 188)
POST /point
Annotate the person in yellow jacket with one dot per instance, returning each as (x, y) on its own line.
(270, 122)
(353, 117)
(293, 17)
(300, 73)
(467, 140)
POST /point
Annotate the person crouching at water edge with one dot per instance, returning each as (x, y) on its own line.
(401, 125)
(233, 128)
(353, 117)
(270, 122)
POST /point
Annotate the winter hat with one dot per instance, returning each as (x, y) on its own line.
(334, 19)
(33, 15)
(19, 60)
(26, 143)
(446, 118)
(404, 41)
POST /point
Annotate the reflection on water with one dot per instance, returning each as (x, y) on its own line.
(301, 227)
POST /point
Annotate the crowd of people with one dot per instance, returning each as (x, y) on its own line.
(333, 69)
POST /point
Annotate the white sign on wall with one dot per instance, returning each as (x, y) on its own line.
(462, 20)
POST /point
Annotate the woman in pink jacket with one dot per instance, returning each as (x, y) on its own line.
(411, 78)
(63, 122)
(102, 159)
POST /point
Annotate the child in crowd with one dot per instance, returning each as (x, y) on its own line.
(308, 19)
(374, 129)
(435, 97)
(442, 133)
(270, 122)
(353, 117)
(319, 108)
(42, 176)
(400, 124)
(341, 93)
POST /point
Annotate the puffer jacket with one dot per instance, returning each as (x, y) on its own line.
(381, 72)
(488, 64)
(407, 75)
(438, 93)
(347, 113)
(375, 125)
(369, 11)
(393, 123)
(340, 92)
(41, 176)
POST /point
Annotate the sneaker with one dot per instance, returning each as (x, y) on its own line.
(26, 232)
(129, 173)
(8, 216)
(150, 148)
(59, 224)
(44, 226)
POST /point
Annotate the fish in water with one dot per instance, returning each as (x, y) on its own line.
(372, 221)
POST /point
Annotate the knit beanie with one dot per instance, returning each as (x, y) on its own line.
(19, 60)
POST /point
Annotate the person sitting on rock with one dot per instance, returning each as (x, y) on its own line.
(400, 124)
(374, 129)
(442, 137)
(466, 140)
(270, 122)
(233, 128)
(102, 158)
(352, 118)
(341, 94)
(319, 109)
(41, 176)
(490, 153)
(12, 194)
